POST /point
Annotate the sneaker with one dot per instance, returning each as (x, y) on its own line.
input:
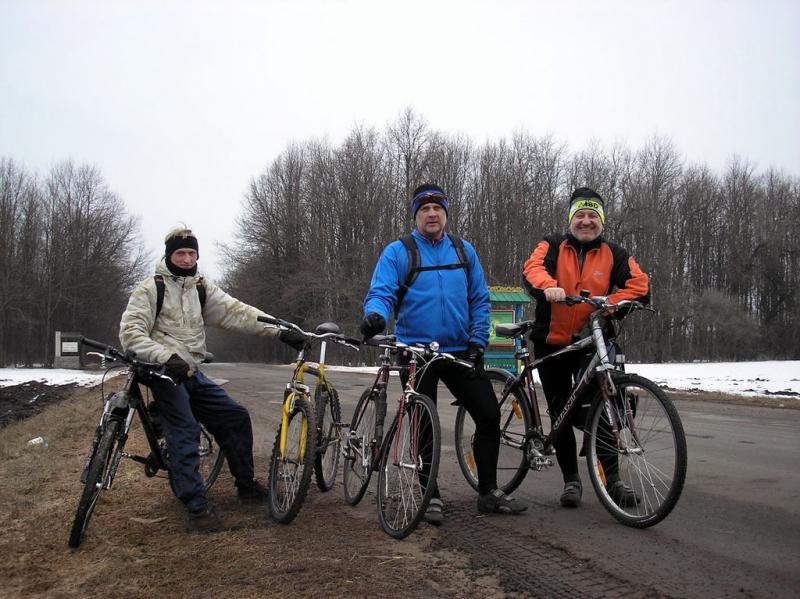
(203, 522)
(434, 514)
(622, 494)
(571, 497)
(497, 502)
(253, 492)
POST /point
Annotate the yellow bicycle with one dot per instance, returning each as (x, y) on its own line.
(309, 435)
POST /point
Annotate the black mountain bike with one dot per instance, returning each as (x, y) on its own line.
(112, 432)
(632, 435)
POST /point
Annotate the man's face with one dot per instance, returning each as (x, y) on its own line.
(586, 225)
(184, 258)
(431, 220)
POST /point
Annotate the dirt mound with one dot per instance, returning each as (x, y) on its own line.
(18, 402)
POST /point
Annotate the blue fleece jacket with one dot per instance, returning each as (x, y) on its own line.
(441, 305)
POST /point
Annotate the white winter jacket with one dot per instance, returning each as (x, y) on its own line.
(180, 328)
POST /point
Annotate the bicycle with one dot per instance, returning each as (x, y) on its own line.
(111, 435)
(290, 465)
(407, 459)
(632, 433)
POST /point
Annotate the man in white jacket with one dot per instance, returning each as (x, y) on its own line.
(174, 334)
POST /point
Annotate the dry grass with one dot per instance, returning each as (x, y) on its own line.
(136, 547)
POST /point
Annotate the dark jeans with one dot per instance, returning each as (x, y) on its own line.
(201, 400)
(478, 399)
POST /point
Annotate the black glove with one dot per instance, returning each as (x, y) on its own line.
(293, 339)
(475, 355)
(372, 324)
(177, 369)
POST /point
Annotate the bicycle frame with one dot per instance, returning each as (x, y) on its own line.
(597, 370)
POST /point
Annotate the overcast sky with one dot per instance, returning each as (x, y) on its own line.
(180, 104)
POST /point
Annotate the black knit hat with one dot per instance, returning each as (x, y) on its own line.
(426, 193)
(585, 193)
(180, 239)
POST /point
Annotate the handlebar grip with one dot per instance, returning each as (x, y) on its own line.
(96, 344)
(267, 319)
(351, 340)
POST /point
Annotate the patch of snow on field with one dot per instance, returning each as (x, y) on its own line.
(50, 376)
(768, 378)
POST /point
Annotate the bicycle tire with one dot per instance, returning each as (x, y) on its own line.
(211, 458)
(412, 447)
(360, 448)
(290, 475)
(515, 421)
(95, 477)
(653, 467)
(329, 437)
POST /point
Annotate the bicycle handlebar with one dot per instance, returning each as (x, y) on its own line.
(339, 338)
(601, 303)
(427, 351)
(112, 353)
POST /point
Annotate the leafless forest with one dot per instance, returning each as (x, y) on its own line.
(720, 246)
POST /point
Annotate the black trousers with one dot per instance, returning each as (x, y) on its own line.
(558, 377)
(478, 398)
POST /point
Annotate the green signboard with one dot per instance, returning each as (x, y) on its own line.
(500, 317)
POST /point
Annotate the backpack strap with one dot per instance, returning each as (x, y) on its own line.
(414, 267)
(159, 281)
(413, 270)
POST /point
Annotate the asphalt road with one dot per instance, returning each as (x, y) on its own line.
(734, 533)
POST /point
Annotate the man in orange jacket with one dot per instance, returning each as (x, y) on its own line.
(567, 264)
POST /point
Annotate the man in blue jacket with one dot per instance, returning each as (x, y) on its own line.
(444, 299)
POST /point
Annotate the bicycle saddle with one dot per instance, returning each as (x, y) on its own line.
(327, 327)
(516, 329)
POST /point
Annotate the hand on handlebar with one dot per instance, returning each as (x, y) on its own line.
(475, 355)
(372, 324)
(555, 294)
(293, 339)
(177, 369)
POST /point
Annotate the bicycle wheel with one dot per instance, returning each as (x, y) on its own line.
(651, 459)
(515, 420)
(329, 437)
(95, 478)
(408, 467)
(290, 473)
(211, 458)
(361, 447)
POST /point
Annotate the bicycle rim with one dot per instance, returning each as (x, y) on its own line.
(651, 462)
(408, 468)
(359, 449)
(515, 420)
(290, 474)
(95, 478)
(329, 440)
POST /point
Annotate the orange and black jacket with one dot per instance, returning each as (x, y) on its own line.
(601, 267)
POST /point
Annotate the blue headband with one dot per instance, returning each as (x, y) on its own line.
(427, 196)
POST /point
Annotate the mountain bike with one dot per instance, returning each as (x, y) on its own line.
(407, 459)
(632, 431)
(309, 434)
(111, 435)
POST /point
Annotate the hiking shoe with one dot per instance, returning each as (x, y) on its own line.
(497, 502)
(622, 494)
(571, 497)
(434, 514)
(203, 522)
(252, 492)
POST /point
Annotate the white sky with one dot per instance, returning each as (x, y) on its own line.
(180, 104)
(737, 378)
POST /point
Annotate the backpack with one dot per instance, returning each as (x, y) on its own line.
(415, 268)
(159, 281)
